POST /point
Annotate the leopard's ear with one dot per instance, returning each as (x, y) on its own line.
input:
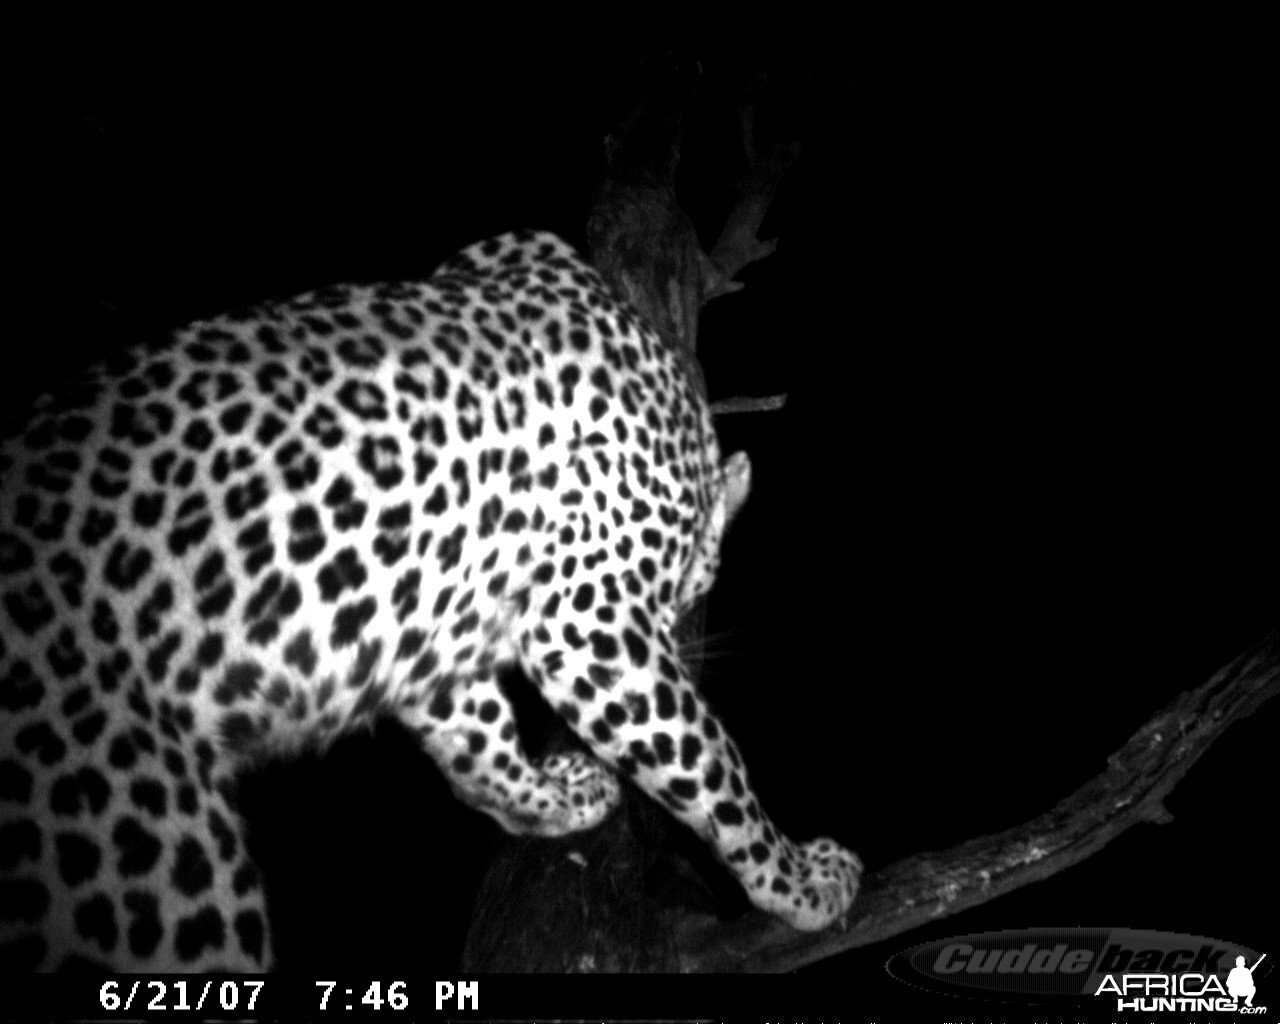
(737, 483)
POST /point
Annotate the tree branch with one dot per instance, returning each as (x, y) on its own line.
(748, 403)
(739, 243)
(925, 887)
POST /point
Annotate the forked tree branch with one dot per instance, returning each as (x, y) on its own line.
(739, 243)
(925, 887)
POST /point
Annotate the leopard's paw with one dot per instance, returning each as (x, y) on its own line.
(583, 792)
(821, 888)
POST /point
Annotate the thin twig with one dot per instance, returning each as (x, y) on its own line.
(748, 403)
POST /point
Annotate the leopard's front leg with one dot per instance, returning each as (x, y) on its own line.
(626, 693)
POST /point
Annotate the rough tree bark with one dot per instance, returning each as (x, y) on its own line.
(619, 898)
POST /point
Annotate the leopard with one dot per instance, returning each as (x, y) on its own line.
(282, 524)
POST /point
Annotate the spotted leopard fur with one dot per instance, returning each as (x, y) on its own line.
(361, 501)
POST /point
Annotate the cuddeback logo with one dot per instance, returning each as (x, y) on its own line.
(1141, 971)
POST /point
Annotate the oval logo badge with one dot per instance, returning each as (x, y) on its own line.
(1143, 971)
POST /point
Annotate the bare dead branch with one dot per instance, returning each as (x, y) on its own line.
(739, 244)
(748, 403)
(926, 887)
